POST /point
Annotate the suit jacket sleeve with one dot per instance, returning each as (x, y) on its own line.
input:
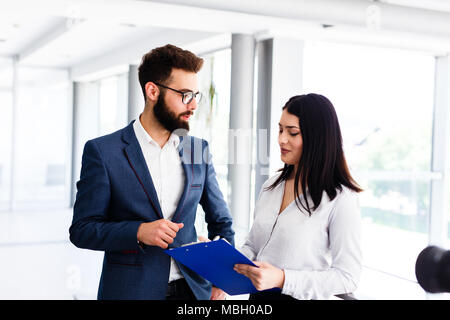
(90, 227)
(217, 215)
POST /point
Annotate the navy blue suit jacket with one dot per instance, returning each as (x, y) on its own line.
(116, 194)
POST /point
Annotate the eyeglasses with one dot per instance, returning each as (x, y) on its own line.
(187, 96)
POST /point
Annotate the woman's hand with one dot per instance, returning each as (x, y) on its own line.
(265, 277)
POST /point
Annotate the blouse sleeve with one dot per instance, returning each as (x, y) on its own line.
(248, 249)
(344, 231)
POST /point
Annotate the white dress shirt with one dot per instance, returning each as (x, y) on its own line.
(167, 175)
(320, 255)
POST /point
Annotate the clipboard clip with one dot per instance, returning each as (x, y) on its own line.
(197, 242)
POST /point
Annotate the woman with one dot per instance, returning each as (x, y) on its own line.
(305, 239)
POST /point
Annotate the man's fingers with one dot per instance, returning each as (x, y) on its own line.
(166, 238)
(175, 226)
(170, 233)
(160, 243)
(158, 233)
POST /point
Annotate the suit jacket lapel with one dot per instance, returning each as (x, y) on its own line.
(137, 162)
(186, 156)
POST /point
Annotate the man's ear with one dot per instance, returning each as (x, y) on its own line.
(151, 91)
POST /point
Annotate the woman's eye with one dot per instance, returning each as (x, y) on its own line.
(294, 134)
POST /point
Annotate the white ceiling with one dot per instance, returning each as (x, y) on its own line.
(262, 5)
(86, 35)
(69, 33)
(436, 5)
(85, 40)
(17, 30)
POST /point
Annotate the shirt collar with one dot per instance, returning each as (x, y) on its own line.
(175, 139)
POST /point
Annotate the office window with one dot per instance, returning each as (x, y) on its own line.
(211, 119)
(43, 139)
(113, 103)
(384, 101)
(6, 120)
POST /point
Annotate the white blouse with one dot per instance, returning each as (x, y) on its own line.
(320, 255)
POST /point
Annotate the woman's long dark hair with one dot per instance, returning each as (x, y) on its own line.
(322, 165)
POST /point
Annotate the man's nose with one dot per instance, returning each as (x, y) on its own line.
(192, 105)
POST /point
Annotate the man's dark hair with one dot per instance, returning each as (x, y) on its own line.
(157, 65)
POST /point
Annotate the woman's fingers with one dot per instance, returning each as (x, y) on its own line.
(244, 269)
(263, 276)
(250, 272)
(259, 263)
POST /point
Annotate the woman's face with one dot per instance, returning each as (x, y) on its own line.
(290, 138)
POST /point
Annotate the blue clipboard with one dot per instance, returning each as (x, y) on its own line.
(214, 261)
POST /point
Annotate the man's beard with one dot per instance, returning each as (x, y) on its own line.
(168, 119)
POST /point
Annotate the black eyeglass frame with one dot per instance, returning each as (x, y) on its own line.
(184, 94)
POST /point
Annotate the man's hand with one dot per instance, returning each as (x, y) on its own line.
(217, 294)
(203, 239)
(158, 233)
(265, 277)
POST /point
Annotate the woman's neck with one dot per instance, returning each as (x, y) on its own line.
(291, 179)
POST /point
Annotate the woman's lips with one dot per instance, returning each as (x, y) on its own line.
(284, 151)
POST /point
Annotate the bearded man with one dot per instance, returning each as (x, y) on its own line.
(139, 189)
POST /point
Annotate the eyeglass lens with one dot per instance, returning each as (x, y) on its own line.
(188, 96)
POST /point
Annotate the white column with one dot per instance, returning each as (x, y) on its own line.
(86, 123)
(122, 100)
(15, 91)
(241, 124)
(440, 187)
(263, 120)
(280, 67)
(287, 81)
(136, 100)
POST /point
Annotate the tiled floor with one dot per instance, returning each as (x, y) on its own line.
(39, 262)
